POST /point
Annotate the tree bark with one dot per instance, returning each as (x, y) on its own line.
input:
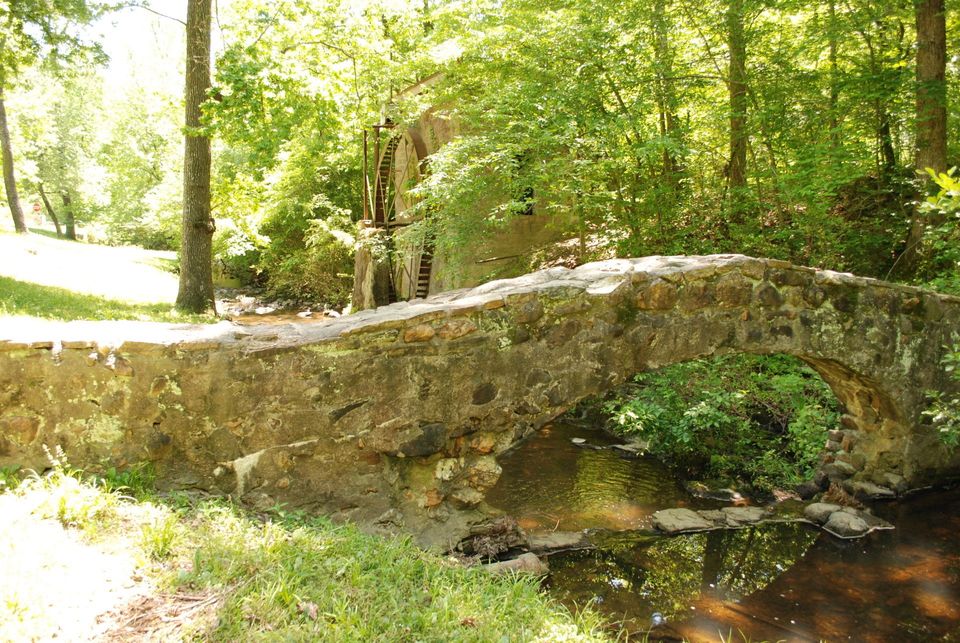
(931, 98)
(931, 85)
(737, 79)
(836, 142)
(69, 220)
(196, 271)
(888, 155)
(666, 94)
(9, 178)
(50, 211)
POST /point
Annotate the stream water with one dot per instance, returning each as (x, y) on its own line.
(778, 582)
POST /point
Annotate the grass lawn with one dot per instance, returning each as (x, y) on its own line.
(33, 300)
(53, 278)
(191, 568)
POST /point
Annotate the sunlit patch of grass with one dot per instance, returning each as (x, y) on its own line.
(45, 233)
(163, 263)
(56, 582)
(64, 494)
(28, 299)
(159, 538)
(290, 577)
(300, 578)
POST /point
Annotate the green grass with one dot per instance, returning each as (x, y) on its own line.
(24, 298)
(291, 577)
(45, 233)
(300, 578)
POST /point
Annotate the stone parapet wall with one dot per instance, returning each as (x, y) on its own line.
(394, 417)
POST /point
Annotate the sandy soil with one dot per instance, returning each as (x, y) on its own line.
(61, 586)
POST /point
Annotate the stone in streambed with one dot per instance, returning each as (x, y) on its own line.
(556, 540)
(745, 515)
(673, 521)
(526, 563)
(841, 523)
(864, 490)
(819, 512)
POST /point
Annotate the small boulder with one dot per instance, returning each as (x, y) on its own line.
(525, 563)
(673, 521)
(557, 540)
(819, 512)
(863, 490)
(839, 470)
(745, 515)
(894, 481)
(846, 525)
(807, 490)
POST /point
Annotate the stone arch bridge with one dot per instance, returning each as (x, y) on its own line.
(394, 417)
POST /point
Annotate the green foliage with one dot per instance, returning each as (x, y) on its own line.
(760, 420)
(940, 268)
(137, 480)
(9, 478)
(944, 409)
(608, 113)
(321, 269)
(142, 164)
(159, 538)
(33, 30)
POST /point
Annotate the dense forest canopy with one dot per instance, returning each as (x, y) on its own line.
(797, 130)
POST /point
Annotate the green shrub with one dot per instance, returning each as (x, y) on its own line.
(940, 258)
(321, 270)
(944, 410)
(761, 420)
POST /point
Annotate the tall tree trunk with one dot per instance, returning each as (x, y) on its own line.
(69, 220)
(835, 140)
(931, 149)
(737, 80)
(888, 155)
(931, 85)
(196, 272)
(50, 211)
(666, 94)
(9, 179)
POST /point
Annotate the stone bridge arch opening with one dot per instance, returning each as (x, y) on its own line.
(716, 416)
(723, 420)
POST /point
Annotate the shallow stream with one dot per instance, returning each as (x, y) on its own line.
(775, 582)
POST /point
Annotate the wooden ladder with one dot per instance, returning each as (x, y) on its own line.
(423, 274)
(381, 212)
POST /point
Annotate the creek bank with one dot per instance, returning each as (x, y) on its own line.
(252, 304)
(527, 552)
(504, 542)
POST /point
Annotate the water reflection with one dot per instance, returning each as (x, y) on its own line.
(901, 585)
(632, 576)
(776, 582)
(548, 483)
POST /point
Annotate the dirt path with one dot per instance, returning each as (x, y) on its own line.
(59, 586)
(55, 586)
